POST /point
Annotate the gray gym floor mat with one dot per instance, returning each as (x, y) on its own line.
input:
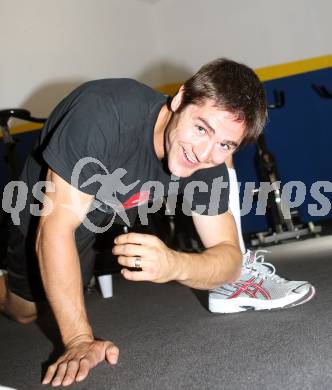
(168, 340)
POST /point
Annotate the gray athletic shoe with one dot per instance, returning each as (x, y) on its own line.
(259, 288)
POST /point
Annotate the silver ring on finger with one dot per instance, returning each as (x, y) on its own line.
(138, 262)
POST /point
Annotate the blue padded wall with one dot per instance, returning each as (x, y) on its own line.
(300, 137)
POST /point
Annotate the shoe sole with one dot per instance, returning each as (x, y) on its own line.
(236, 305)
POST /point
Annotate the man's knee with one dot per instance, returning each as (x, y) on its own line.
(24, 319)
(19, 309)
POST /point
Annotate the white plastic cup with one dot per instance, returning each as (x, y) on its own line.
(106, 285)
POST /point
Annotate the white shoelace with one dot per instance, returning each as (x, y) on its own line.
(259, 267)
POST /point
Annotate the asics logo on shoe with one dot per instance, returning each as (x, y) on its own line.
(251, 288)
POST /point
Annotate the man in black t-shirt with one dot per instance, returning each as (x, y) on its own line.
(110, 146)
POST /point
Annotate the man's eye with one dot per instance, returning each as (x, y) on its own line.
(225, 147)
(201, 130)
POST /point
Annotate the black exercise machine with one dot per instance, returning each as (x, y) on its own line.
(284, 223)
(11, 159)
(8, 140)
(322, 91)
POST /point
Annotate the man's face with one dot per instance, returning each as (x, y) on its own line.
(201, 136)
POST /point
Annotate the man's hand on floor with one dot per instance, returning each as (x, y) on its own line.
(79, 357)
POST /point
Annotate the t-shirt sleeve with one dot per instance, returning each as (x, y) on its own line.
(77, 148)
(207, 191)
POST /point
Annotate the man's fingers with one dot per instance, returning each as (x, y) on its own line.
(49, 374)
(70, 376)
(131, 261)
(84, 369)
(60, 373)
(136, 275)
(135, 238)
(129, 250)
(112, 354)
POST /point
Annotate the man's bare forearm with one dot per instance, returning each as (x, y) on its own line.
(61, 275)
(212, 268)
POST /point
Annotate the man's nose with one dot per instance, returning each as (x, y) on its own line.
(203, 152)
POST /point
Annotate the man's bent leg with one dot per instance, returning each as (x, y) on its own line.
(22, 287)
(3, 290)
(19, 309)
(15, 307)
(22, 292)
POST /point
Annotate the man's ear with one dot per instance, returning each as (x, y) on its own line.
(177, 99)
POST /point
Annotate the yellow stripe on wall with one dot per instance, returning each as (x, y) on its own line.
(26, 128)
(170, 89)
(265, 74)
(294, 68)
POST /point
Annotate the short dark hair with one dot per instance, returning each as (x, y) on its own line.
(234, 88)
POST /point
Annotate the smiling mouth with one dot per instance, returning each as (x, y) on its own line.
(189, 159)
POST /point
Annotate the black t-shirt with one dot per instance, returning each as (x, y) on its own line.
(100, 140)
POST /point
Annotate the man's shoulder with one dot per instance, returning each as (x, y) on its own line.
(120, 93)
(116, 85)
